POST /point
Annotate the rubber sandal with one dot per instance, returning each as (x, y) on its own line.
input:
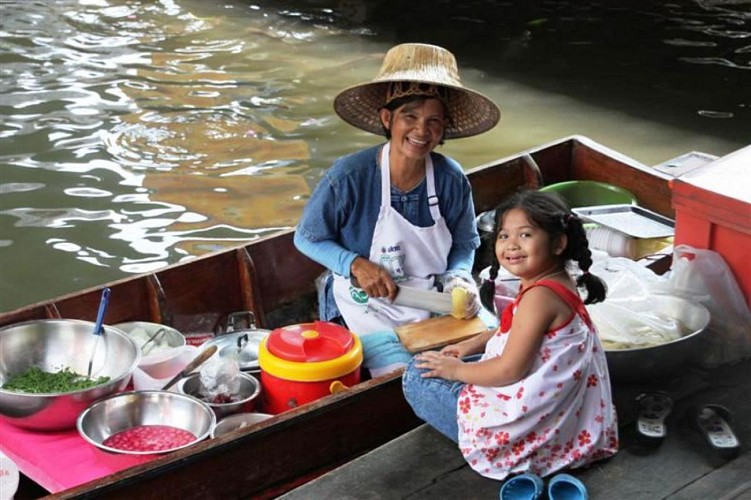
(652, 410)
(566, 487)
(715, 423)
(525, 486)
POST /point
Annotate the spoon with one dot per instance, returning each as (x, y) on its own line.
(98, 326)
(206, 354)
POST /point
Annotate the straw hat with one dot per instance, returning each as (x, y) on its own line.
(415, 65)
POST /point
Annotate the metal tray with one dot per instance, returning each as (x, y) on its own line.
(631, 220)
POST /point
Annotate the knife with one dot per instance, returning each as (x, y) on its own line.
(453, 303)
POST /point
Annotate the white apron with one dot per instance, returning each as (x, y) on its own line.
(411, 254)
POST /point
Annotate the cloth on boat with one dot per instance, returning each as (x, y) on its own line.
(383, 352)
(560, 415)
(61, 460)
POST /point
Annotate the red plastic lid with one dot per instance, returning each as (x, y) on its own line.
(310, 342)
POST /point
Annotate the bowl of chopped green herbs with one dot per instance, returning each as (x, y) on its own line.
(44, 381)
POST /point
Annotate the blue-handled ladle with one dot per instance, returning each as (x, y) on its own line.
(98, 330)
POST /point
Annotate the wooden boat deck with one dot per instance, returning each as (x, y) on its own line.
(424, 464)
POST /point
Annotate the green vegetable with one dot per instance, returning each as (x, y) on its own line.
(36, 381)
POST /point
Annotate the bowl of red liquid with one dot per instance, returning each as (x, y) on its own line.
(146, 422)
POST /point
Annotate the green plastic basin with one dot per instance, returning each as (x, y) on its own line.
(591, 193)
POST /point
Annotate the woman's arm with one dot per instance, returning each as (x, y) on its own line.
(328, 253)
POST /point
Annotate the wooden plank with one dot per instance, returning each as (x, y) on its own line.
(423, 464)
(437, 332)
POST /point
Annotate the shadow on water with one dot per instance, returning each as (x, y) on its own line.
(683, 63)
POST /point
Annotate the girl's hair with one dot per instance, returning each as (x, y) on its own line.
(401, 101)
(549, 212)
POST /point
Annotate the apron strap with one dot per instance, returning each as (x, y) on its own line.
(435, 210)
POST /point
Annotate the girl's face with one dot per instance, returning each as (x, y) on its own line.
(416, 127)
(525, 250)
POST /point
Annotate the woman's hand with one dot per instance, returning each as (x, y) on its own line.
(373, 279)
(438, 364)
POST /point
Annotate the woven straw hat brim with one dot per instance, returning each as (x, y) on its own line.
(471, 112)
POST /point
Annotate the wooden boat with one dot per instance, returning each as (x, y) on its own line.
(274, 281)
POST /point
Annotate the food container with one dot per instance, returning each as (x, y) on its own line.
(304, 362)
(53, 345)
(244, 400)
(130, 410)
(712, 206)
(650, 363)
(163, 357)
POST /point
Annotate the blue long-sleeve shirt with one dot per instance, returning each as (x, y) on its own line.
(339, 219)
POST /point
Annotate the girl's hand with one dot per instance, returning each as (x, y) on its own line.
(438, 365)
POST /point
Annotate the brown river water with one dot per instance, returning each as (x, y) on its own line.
(136, 134)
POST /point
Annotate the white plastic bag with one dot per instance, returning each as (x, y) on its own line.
(698, 275)
(219, 376)
(703, 276)
(627, 318)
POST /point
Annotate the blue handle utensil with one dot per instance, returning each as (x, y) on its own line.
(98, 330)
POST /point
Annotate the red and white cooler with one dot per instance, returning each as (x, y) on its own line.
(304, 362)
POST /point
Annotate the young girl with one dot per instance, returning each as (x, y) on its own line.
(538, 400)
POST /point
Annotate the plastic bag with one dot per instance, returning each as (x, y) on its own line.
(627, 318)
(219, 377)
(698, 275)
(703, 276)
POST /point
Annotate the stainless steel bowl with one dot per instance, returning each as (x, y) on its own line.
(238, 421)
(53, 345)
(646, 364)
(126, 410)
(246, 396)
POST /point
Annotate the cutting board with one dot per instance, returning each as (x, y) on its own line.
(437, 332)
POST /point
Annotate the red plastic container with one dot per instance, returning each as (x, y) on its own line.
(713, 211)
(305, 362)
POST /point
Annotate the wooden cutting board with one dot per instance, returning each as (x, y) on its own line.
(437, 332)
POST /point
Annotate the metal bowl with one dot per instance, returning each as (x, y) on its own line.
(646, 364)
(53, 345)
(238, 421)
(246, 396)
(126, 410)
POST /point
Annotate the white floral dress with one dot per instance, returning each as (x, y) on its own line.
(561, 415)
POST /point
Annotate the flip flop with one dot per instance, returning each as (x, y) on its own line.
(652, 410)
(715, 423)
(566, 487)
(525, 486)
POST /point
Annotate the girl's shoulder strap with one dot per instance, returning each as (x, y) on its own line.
(567, 295)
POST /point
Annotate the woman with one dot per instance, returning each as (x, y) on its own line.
(397, 213)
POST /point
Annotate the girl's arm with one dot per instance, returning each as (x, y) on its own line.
(473, 345)
(538, 311)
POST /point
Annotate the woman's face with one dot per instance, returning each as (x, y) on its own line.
(525, 250)
(416, 127)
